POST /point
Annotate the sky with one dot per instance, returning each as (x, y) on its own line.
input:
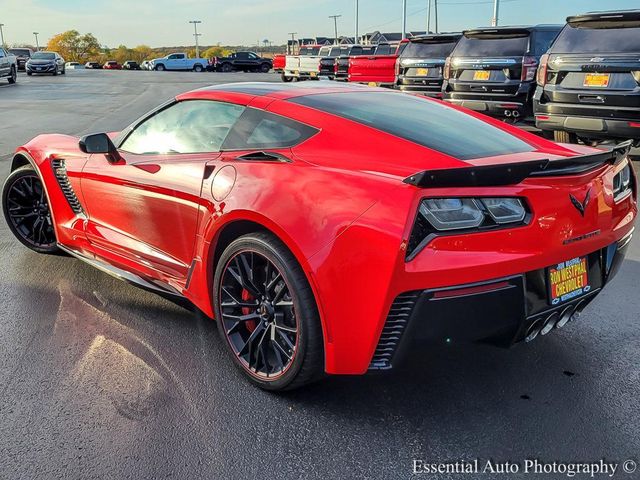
(246, 22)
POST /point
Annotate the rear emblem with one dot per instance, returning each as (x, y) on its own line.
(581, 206)
(596, 59)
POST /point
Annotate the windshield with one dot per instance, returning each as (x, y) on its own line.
(43, 56)
(427, 50)
(432, 124)
(513, 46)
(608, 38)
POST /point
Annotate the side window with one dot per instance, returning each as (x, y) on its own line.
(259, 129)
(253, 56)
(1, 53)
(193, 126)
(242, 56)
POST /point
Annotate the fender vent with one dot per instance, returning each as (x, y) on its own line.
(394, 327)
(60, 172)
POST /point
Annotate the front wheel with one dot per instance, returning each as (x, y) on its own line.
(160, 68)
(265, 67)
(26, 210)
(14, 76)
(267, 313)
(286, 79)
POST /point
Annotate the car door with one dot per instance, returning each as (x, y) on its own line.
(242, 61)
(4, 63)
(143, 211)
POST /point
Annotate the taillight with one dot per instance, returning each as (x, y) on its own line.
(541, 78)
(636, 76)
(397, 66)
(529, 66)
(446, 74)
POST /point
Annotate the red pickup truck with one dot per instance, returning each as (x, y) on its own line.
(378, 69)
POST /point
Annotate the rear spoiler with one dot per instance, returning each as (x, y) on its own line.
(436, 38)
(514, 173)
(615, 16)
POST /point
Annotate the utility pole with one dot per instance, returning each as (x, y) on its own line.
(335, 26)
(428, 16)
(37, 44)
(293, 42)
(435, 10)
(355, 39)
(1, 35)
(196, 34)
(404, 19)
(496, 7)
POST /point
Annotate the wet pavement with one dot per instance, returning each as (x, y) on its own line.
(99, 379)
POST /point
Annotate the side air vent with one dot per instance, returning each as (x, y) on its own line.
(63, 180)
(394, 327)
(263, 157)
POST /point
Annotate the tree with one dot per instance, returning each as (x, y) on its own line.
(73, 46)
(121, 54)
(216, 52)
(142, 53)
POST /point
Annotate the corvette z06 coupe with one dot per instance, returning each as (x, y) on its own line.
(328, 228)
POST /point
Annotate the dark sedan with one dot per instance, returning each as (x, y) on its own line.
(45, 62)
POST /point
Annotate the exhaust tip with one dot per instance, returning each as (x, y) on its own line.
(516, 113)
(533, 331)
(550, 323)
(565, 317)
(507, 113)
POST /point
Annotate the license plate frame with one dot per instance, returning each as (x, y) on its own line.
(481, 75)
(568, 280)
(422, 72)
(596, 80)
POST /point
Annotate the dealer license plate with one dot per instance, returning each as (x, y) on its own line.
(422, 72)
(568, 280)
(481, 75)
(596, 80)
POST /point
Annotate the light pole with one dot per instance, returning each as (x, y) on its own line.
(37, 44)
(355, 40)
(496, 7)
(196, 34)
(1, 34)
(335, 26)
(435, 11)
(428, 16)
(293, 42)
(404, 19)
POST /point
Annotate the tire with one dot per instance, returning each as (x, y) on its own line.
(13, 77)
(159, 68)
(55, 72)
(561, 136)
(197, 68)
(226, 67)
(20, 211)
(286, 79)
(265, 67)
(547, 134)
(293, 312)
(29, 73)
(64, 71)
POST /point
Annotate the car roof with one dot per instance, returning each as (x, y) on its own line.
(276, 90)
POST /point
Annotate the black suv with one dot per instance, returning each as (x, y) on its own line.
(421, 63)
(493, 70)
(22, 56)
(589, 84)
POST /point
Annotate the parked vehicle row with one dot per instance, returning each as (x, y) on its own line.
(580, 81)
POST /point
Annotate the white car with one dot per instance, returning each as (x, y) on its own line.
(145, 65)
(73, 66)
(178, 61)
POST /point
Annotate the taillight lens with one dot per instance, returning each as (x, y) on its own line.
(397, 67)
(446, 74)
(622, 186)
(529, 66)
(542, 70)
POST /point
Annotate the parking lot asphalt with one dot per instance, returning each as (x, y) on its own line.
(99, 379)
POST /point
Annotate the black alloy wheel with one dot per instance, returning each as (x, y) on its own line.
(267, 313)
(26, 210)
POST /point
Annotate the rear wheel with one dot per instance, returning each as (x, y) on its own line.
(226, 67)
(197, 68)
(286, 79)
(561, 136)
(26, 210)
(267, 313)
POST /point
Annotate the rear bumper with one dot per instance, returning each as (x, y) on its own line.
(588, 126)
(427, 86)
(503, 311)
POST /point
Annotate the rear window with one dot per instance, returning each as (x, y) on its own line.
(19, 51)
(324, 51)
(425, 122)
(580, 38)
(309, 50)
(491, 45)
(427, 50)
(385, 50)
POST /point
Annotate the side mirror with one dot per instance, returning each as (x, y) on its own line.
(100, 143)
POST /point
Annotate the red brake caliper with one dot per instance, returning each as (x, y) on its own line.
(250, 324)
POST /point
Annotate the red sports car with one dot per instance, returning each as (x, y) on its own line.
(327, 228)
